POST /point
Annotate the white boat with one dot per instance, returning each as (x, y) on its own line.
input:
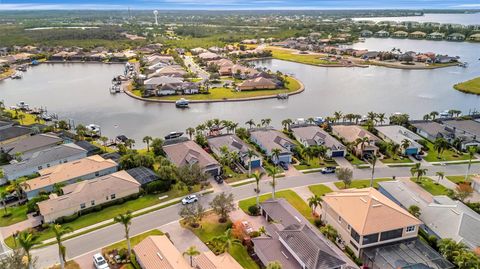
(445, 114)
(17, 75)
(182, 103)
(282, 96)
(93, 130)
(22, 105)
(361, 39)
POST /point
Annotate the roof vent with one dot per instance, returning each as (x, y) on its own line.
(455, 211)
(286, 257)
(160, 256)
(299, 220)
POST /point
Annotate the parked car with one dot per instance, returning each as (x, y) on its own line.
(218, 179)
(283, 165)
(328, 170)
(99, 262)
(417, 157)
(189, 199)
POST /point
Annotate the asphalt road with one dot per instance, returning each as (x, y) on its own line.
(95, 240)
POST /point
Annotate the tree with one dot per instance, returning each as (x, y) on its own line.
(463, 191)
(27, 240)
(275, 155)
(81, 131)
(372, 159)
(449, 248)
(381, 118)
(190, 252)
(414, 210)
(274, 265)
(250, 123)
(59, 232)
(157, 146)
(272, 171)
(440, 145)
(250, 155)
(225, 241)
(192, 214)
(258, 176)
(313, 202)
(286, 124)
(130, 143)
(418, 172)
(337, 115)
(405, 144)
(104, 140)
(147, 139)
(433, 115)
(190, 175)
(4, 195)
(329, 232)
(345, 174)
(471, 153)
(190, 132)
(21, 117)
(126, 221)
(465, 259)
(18, 185)
(223, 204)
(440, 176)
(15, 260)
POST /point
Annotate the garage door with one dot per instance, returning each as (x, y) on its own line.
(256, 163)
(337, 154)
(285, 158)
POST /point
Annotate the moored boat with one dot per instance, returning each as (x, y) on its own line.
(182, 103)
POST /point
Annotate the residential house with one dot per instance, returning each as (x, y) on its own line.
(34, 162)
(293, 241)
(433, 130)
(259, 83)
(400, 34)
(89, 147)
(155, 82)
(159, 58)
(382, 33)
(445, 59)
(186, 152)
(476, 183)
(170, 71)
(417, 35)
(31, 144)
(371, 55)
(224, 66)
(208, 260)
(456, 37)
(474, 37)
(88, 193)
(158, 252)
(442, 216)
(269, 139)
(68, 173)
(208, 56)
(10, 133)
(365, 218)
(234, 144)
(366, 33)
(354, 133)
(312, 135)
(243, 72)
(464, 128)
(197, 51)
(435, 36)
(398, 135)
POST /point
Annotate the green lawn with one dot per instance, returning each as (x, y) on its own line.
(315, 163)
(398, 160)
(210, 228)
(362, 183)
(18, 214)
(447, 155)
(459, 179)
(432, 187)
(470, 86)
(319, 189)
(290, 55)
(291, 196)
(227, 93)
(232, 176)
(28, 120)
(355, 160)
(133, 240)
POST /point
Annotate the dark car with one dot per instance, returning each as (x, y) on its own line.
(417, 157)
(328, 170)
(284, 165)
(218, 179)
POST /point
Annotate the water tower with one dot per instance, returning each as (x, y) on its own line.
(155, 12)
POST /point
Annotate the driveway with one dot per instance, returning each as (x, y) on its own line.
(183, 238)
(342, 162)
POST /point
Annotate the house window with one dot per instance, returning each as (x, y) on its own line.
(82, 206)
(410, 229)
(349, 227)
(97, 174)
(92, 202)
(369, 239)
(388, 235)
(106, 198)
(339, 219)
(112, 196)
(355, 235)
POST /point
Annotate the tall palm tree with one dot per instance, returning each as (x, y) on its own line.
(405, 144)
(372, 116)
(18, 185)
(4, 195)
(59, 232)
(250, 154)
(471, 153)
(126, 221)
(337, 115)
(362, 141)
(372, 159)
(147, 139)
(258, 176)
(286, 124)
(27, 240)
(440, 145)
(226, 241)
(433, 114)
(190, 132)
(440, 176)
(381, 118)
(418, 171)
(276, 154)
(272, 171)
(250, 123)
(314, 201)
(191, 251)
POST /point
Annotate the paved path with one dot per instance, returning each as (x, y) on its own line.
(86, 243)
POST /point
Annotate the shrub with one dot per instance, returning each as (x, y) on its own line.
(158, 186)
(253, 210)
(254, 234)
(318, 222)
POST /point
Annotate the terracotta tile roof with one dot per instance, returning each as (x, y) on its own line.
(157, 252)
(351, 132)
(368, 211)
(188, 152)
(208, 260)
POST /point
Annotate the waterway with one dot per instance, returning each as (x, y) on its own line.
(80, 92)
(465, 19)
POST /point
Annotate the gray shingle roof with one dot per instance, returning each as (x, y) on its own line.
(31, 143)
(14, 131)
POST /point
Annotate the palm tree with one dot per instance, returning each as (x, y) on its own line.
(18, 185)
(258, 176)
(381, 118)
(27, 240)
(225, 241)
(372, 116)
(250, 123)
(286, 124)
(263, 231)
(426, 117)
(433, 114)
(448, 248)
(276, 154)
(250, 154)
(60, 231)
(418, 171)
(440, 176)
(372, 159)
(471, 153)
(147, 139)
(274, 265)
(4, 195)
(191, 251)
(104, 140)
(440, 145)
(190, 132)
(329, 232)
(126, 221)
(405, 144)
(362, 141)
(337, 115)
(272, 171)
(414, 210)
(21, 117)
(315, 201)
(130, 143)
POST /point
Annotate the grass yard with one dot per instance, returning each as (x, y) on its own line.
(315, 163)
(355, 160)
(432, 187)
(289, 195)
(18, 214)
(227, 93)
(7, 73)
(133, 240)
(398, 160)
(362, 183)
(232, 176)
(319, 189)
(470, 86)
(210, 228)
(293, 56)
(459, 179)
(447, 155)
(28, 120)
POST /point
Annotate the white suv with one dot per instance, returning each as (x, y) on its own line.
(100, 262)
(189, 199)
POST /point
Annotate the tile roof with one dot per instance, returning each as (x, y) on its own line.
(368, 211)
(189, 152)
(398, 133)
(315, 135)
(231, 141)
(352, 132)
(271, 139)
(157, 252)
(208, 260)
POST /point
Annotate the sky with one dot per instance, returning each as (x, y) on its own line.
(238, 4)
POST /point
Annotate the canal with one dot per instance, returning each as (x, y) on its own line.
(80, 92)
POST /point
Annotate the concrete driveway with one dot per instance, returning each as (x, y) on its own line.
(183, 238)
